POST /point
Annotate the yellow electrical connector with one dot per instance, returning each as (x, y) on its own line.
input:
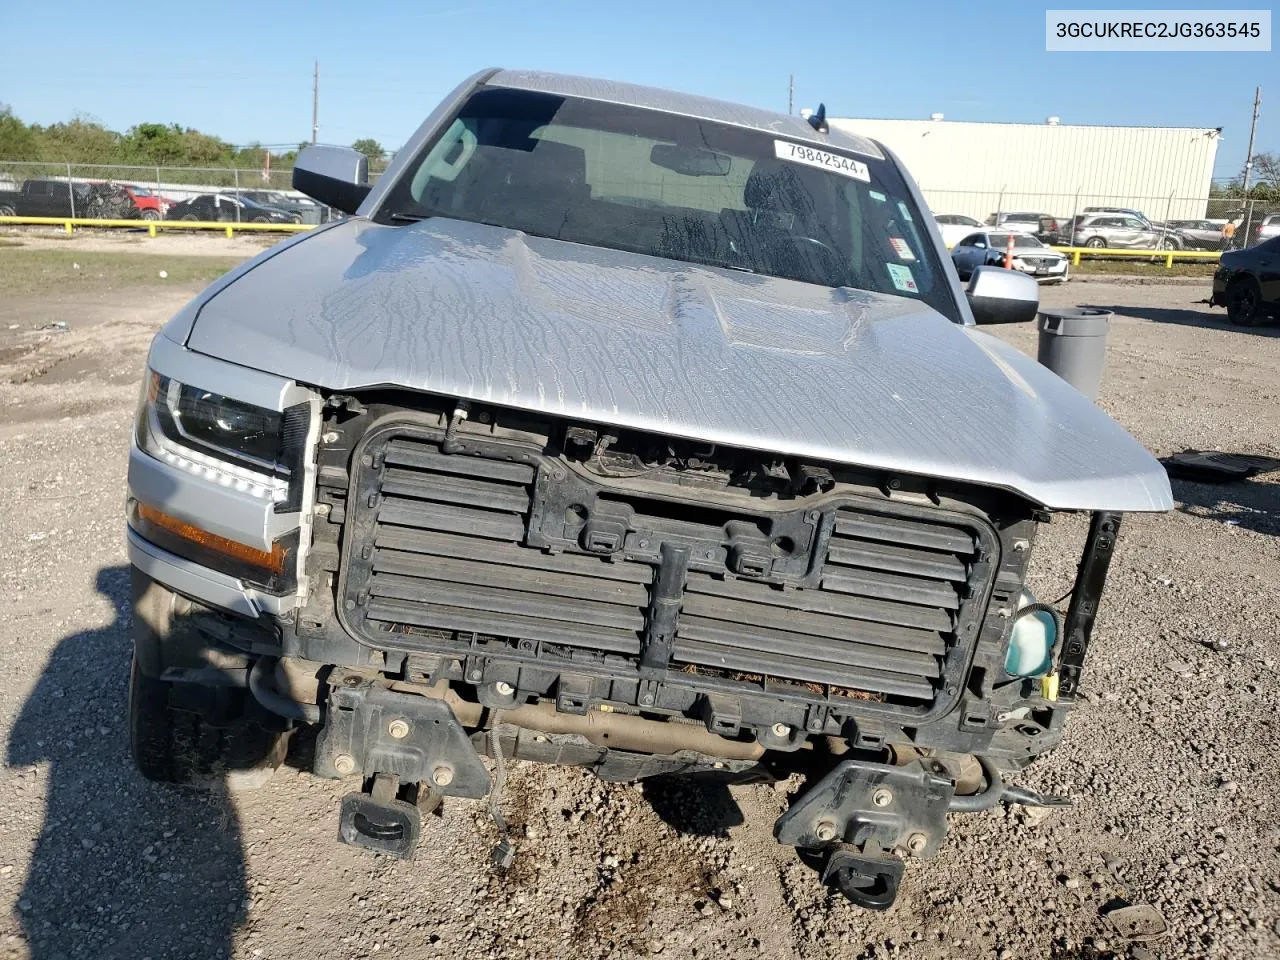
(1049, 686)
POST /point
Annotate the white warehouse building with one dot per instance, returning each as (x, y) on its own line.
(1056, 168)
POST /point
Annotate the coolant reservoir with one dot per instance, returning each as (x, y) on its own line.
(1030, 652)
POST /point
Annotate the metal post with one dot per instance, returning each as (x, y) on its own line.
(791, 94)
(1164, 231)
(1075, 215)
(315, 104)
(71, 194)
(999, 207)
(1248, 165)
(235, 173)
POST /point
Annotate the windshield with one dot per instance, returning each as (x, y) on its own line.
(675, 187)
(1001, 240)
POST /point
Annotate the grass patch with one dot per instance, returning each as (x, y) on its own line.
(1133, 267)
(67, 271)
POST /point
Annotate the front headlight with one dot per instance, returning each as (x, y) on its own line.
(233, 443)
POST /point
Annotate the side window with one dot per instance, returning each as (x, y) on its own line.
(973, 240)
(1134, 224)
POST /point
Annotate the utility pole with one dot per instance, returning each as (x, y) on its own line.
(315, 104)
(1248, 164)
(791, 93)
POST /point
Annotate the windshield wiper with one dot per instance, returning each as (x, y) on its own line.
(411, 217)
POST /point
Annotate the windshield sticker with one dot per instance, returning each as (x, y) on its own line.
(877, 196)
(906, 214)
(902, 278)
(811, 157)
(901, 249)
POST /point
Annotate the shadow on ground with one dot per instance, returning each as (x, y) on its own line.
(1250, 504)
(1193, 315)
(122, 868)
(697, 805)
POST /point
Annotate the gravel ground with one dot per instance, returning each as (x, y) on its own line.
(1171, 758)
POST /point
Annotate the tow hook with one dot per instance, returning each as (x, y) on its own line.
(386, 817)
(867, 881)
(864, 819)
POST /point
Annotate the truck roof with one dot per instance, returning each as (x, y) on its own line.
(686, 104)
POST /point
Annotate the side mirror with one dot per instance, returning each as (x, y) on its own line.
(997, 295)
(336, 176)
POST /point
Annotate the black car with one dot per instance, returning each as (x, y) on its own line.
(60, 198)
(1247, 283)
(225, 207)
(306, 209)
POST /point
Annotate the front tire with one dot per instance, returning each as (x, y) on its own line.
(173, 745)
(186, 733)
(7, 211)
(1096, 243)
(150, 215)
(1244, 302)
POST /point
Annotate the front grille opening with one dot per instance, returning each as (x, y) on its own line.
(438, 556)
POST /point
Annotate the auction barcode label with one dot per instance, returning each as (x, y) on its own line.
(812, 157)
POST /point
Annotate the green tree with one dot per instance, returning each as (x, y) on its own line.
(156, 143)
(17, 142)
(370, 148)
(81, 140)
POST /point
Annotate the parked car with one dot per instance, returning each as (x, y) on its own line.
(227, 207)
(985, 248)
(1044, 226)
(148, 205)
(1267, 227)
(1247, 283)
(1111, 230)
(1123, 211)
(1198, 234)
(954, 226)
(528, 458)
(307, 210)
(61, 198)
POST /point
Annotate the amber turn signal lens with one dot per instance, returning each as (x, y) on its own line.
(272, 562)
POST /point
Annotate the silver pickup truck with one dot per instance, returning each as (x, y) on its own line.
(624, 429)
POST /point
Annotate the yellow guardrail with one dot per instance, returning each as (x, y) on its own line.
(154, 226)
(1168, 255)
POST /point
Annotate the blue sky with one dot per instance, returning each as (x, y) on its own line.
(242, 70)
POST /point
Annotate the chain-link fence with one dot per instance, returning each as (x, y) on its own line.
(1190, 221)
(119, 192)
(243, 195)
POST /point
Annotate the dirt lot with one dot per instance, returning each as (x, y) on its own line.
(1172, 759)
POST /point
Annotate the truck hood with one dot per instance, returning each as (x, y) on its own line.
(842, 375)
